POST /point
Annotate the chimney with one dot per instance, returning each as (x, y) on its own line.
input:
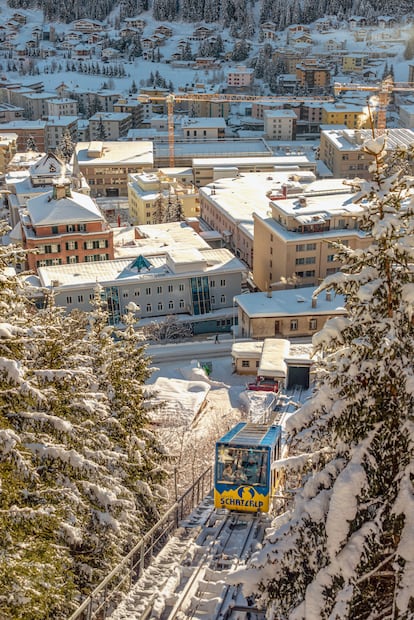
(313, 302)
(60, 190)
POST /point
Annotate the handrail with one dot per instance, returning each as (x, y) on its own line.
(101, 595)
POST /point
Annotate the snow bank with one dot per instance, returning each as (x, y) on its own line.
(176, 401)
(194, 372)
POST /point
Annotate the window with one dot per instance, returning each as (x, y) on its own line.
(71, 245)
(170, 305)
(245, 364)
(300, 261)
(136, 293)
(125, 294)
(70, 228)
(310, 247)
(148, 291)
(55, 230)
(331, 258)
(160, 306)
(81, 227)
(293, 325)
(213, 299)
(149, 308)
(310, 260)
(212, 283)
(223, 299)
(181, 287)
(159, 290)
(300, 247)
(68, 300)
(181, 304)
(312, 324)
(170, 288)
(310, 274)
(80, 298)
(222, 282)
(72, 259)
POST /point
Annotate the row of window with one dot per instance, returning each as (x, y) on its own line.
(305, 247)
(54, 248)
(70, 228)
(294, 324)
(308, 260)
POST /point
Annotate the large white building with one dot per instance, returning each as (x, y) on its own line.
(198, 285)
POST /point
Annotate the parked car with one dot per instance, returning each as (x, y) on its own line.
(264, 385)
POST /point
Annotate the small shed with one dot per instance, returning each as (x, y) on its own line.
(298, 372)
(246, 356)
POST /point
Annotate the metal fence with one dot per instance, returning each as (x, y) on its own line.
(107, 595)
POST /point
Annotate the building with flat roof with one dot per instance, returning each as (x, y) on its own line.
(113, 125)
(186, 152)
(209, 169)
(294, 239)
(154, 197)
(228, 204)
(287, 313)
(340, 149)
(106, 165)
(197, 285)
(280, 124)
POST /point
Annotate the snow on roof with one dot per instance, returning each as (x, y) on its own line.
(76, 208)
(247, 349)
(220, 149)
(238, 197)
(272, 361)
(289, 302)
(102, 153)
(178, 401)
(116, 271)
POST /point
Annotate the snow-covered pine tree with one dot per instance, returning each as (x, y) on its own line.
(31, 144)
(80, 467)
(66, 147)
(345, 549)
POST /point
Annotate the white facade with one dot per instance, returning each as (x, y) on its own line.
(240, 77)
(280, 124)
(62, 107)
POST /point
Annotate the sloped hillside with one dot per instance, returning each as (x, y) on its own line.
(237, 14)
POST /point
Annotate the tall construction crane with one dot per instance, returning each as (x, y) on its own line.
(383, 91)
(173, 98)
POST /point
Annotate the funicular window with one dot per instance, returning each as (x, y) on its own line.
(242, 466)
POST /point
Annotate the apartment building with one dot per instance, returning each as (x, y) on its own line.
(28, 130)
(133, 107)
(197, 285)
(106, 165)
(340, 149)
(351, 115)
(63, 106)
(312, 73)
(8, 149)
(293, 241)
(280, 124)
(150, 195)
(228, 204)
(57, 126)
(109, 125)
(203, 128)
(64, 226)
(240, 77)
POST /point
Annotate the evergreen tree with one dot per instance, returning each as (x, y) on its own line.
(101, 133)
(31, 144)
(66, 147)
(345, 548)
(79, 465)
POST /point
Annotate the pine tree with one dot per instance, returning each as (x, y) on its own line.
(345, 548)
(66, 147)
(81, 470)
(31, 144)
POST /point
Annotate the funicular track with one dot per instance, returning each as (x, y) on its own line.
(224, 542)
